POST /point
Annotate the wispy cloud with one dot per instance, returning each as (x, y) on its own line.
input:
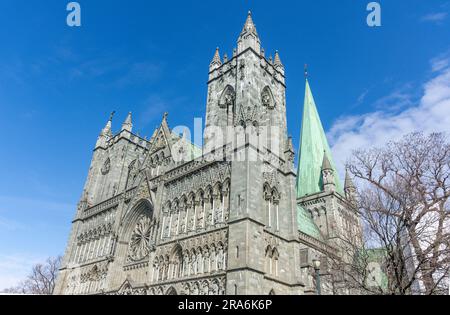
(362, 97)
(15, 268)
(12, 204)
(436, 17)
(11, 225)
(401, 97)
(440, 62)
(156, 105)
(116, 70)
(428, 112)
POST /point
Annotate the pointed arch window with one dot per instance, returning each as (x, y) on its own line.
(267, 98)
(272, 200)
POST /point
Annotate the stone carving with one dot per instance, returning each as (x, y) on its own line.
(139, 247)
(248, 116)
(228, 98)
(267, 98)
(106, 166)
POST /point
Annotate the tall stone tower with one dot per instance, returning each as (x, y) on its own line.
(164, 216)
(246, 100)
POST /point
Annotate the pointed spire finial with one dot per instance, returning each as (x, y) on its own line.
(111, 116)
(215, 62)
(128, 123)
(277, 62)
(306, 71)
(348, 180)
(249, 36)
(326, 165)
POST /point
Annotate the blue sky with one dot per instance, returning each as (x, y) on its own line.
(59, 84)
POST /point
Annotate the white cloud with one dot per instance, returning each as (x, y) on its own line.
(435, 17)
(440, 62)
(429, 113)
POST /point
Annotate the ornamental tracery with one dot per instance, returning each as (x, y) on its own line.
(190, 259)
(267, 98)
(139, 247)
(228, 97)
(106, 166)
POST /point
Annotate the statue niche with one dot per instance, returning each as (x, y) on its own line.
(267, 98)
(227, 101)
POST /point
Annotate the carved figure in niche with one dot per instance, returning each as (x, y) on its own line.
(220, 259)
(106, 166)
(228, 98)
(214, 290)
(267, 99)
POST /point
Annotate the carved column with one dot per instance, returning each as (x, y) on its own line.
(196, 205)
(277, 221)
(186, 221)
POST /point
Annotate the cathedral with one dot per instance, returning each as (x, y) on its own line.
(164, 216)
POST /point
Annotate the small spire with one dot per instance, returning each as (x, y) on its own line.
(111, 116)
(216, 62)
(107, 130)
(326, 165)
(349, 188)
(249, 26)
(306, 71)
(128, 123)
(249, 36)
(225, 58)
(106, 133)
(277, 62)
(348, 181)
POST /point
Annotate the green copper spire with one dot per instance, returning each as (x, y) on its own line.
(313, 145)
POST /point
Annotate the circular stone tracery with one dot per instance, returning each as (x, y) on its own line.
(139, 247)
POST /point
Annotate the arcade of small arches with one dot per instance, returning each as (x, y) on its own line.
(157, 162)
(195, 211)
(272, 257)
(212, 286)
(193, 262)
(271, 202)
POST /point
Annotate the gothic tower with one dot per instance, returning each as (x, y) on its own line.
(247, 107)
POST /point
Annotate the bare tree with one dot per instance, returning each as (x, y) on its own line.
(41, 280)
(403, 201)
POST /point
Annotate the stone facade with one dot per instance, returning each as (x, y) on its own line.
(162, 216)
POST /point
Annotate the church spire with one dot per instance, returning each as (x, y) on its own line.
(326, 165)
(128, 123)
(349, 188)
(107, 130)
(215, 62)
(277, 61)
(328, 174)
(315, 153)
(106, 133)
(249, 36)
